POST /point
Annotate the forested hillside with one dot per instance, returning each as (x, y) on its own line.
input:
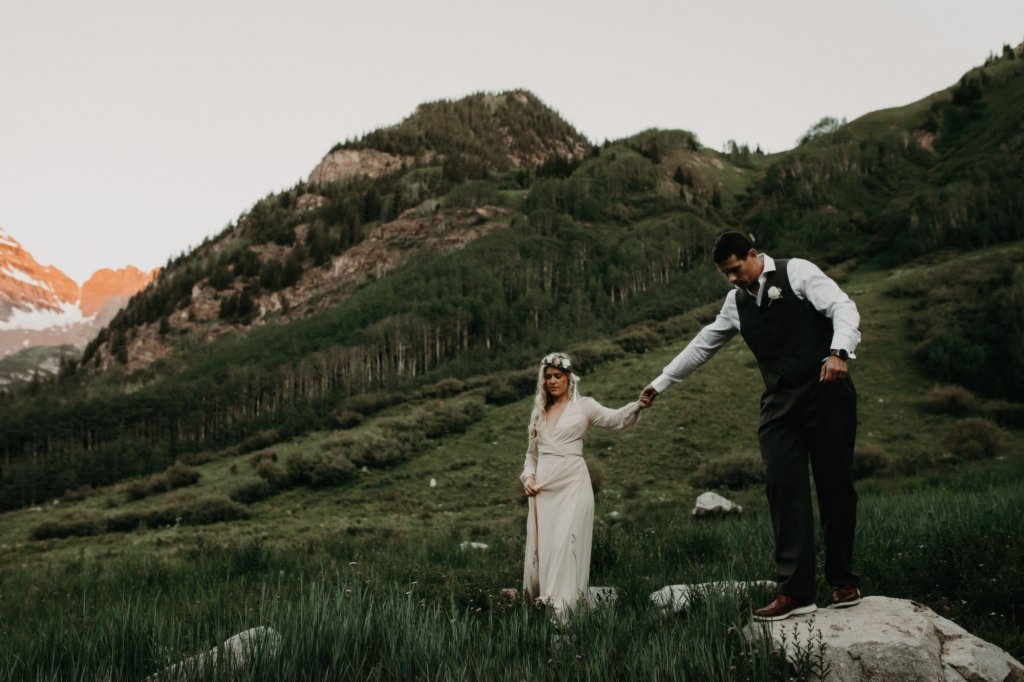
(489, 230)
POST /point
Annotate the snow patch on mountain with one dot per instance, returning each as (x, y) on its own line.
(39, 319)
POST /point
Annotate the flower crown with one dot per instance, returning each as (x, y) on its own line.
(558, 361)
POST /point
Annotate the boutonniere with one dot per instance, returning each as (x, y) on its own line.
(774, 294)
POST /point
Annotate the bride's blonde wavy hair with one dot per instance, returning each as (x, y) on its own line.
(541, 399)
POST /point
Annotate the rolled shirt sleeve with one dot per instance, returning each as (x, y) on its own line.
(813, 285)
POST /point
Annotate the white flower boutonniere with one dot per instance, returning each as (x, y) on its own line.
(774, 294)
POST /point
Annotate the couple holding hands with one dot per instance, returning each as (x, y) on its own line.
(802, 329)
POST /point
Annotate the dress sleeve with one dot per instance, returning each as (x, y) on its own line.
(615, 420)
(530, 463)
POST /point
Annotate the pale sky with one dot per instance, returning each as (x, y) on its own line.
(130, 130)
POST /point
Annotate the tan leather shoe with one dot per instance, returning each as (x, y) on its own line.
(844, 596)
(783, 607)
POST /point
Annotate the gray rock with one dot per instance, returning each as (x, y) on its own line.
(711, 504)
(603, 595)
(884, 638)
(236, 653)
(678, 597)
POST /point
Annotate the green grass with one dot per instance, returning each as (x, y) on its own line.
(123, 605)
(413, 605)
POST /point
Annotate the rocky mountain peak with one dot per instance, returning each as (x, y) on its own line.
(106, 284)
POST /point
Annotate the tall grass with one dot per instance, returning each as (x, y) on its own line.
(417, 607)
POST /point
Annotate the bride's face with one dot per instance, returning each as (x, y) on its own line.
(556, 382)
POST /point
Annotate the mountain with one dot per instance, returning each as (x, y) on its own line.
(443, 252)
(40, 306)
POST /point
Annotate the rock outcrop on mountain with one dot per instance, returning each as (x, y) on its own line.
(41, 306)
(343, 164)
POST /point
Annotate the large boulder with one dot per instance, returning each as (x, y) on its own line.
(884, 638)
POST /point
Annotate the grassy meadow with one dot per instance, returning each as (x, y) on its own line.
(365, 578)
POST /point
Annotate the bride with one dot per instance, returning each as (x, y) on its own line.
(560, 524)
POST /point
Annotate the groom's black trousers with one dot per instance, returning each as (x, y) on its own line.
(817, 422)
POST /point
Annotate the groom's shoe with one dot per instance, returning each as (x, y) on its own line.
(844, 596)
(783, 607)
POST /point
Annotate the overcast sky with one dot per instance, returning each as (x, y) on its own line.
(130, 130)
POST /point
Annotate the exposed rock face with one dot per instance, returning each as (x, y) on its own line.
(391, 244)
(890, 639)
(343, 164)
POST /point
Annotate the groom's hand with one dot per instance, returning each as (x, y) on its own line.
(647, 397)
(833, 369)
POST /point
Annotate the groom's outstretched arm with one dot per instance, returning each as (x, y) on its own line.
(703, 346)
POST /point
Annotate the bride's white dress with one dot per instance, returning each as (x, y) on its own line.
(560, 525)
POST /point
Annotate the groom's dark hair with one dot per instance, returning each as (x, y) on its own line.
(731, 243)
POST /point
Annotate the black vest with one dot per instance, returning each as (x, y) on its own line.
(787, 335)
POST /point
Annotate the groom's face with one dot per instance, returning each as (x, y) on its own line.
(742, 273)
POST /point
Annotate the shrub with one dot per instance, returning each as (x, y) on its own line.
(975, 438)
(638, 339)
(593, 353)
(253, 490)
(445, 388)
(384, 447)
(502, 391)
(870, 460)
(348, 419)
(299, 469)
(78, 494)
(197, 511)
(178, 475)
(947, 399)
(442, 419)
(734, 472)
(368, 403)
(72, 525)
(273, 474)
(330, 470)
(1005, 412)
(260, 440)
(124, 522)
(258, 458)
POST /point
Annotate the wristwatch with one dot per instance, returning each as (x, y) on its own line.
(840, 353)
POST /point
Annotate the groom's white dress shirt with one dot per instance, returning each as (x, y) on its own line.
(808, 282)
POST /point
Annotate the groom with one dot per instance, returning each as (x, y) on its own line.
(802, 330)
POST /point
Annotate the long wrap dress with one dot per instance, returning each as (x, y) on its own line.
(560, 524)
